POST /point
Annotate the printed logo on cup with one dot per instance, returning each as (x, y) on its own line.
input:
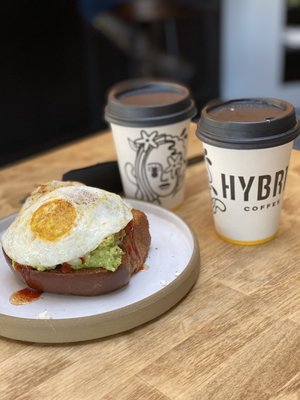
(156, 176)
(264, 190)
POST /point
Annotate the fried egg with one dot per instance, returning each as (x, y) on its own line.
(61, 222)
(41, 190)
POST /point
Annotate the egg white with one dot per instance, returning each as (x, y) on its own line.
(48, 187)
(98, 214)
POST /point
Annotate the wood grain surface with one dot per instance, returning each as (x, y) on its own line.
(236, 335)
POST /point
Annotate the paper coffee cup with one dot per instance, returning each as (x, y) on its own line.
(150, 122)
(247, 145)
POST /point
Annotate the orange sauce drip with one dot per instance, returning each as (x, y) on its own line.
(24, 296)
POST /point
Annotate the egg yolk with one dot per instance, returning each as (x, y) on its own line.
(53, 219)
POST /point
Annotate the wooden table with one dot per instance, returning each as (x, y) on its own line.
(236, 335)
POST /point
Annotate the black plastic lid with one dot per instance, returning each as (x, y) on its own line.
(248, 123)
(146, 102)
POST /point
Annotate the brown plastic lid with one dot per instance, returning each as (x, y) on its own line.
(248, 123)
(147, 102)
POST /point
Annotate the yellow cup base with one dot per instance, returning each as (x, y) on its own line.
(246, 243)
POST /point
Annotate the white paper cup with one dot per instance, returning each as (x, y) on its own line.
(150, 122)
(247, 146)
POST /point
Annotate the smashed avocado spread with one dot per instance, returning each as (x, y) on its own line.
(107, 255)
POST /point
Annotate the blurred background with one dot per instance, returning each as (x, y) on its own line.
(59, 58)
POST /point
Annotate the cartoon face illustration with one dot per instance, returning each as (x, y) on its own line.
(163, 173)
(159, 165)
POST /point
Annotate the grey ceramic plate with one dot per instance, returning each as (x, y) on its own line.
(171, 270)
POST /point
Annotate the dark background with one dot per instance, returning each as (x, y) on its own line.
(57, 63)
(292, 56)
(56, 67)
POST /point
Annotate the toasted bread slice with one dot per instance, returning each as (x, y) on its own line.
(94, 281)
